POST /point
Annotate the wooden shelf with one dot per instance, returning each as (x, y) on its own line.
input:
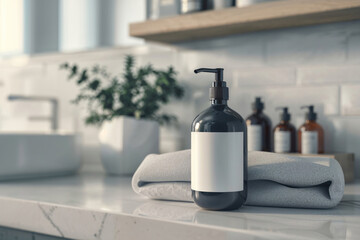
(263, 16)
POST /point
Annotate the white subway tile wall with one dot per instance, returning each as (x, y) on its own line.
(264, 76)
(353, 47)
(350, 100)
(329, 75)
(292, 67)
(305, 48)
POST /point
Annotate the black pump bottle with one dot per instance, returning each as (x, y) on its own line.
(218, 152)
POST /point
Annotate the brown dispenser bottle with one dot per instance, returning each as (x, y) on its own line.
(259, 128)
(284, 133)
(310, 134)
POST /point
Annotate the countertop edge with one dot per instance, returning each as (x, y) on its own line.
(81, 223)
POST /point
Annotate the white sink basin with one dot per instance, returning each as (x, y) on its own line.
(37, 155)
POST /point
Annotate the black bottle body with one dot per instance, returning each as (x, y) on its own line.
(220, 118)
(258, 118)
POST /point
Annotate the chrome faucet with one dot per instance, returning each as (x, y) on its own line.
(54, 111)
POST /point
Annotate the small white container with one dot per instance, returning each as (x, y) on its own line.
(243, 3)
(29, 155)
(125, 142)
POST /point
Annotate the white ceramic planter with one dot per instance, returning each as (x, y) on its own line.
(124, 143)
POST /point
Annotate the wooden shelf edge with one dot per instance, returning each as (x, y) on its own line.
(264, 16)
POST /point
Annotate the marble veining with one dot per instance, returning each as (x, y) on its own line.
(93, 205)
(48, 216)
(98, 234)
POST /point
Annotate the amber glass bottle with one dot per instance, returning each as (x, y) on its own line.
(310, 134)
(284, 134)
(259, 128)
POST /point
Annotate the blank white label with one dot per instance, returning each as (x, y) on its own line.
(309, 142)
(282, 141)
(254, 137)
(217, 161)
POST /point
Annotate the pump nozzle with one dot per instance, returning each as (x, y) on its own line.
(218, 72)
(258, 104)
(285, 115)
(218, 89)
(311, 115)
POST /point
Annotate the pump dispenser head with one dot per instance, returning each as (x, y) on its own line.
(311, 115)
(258, 104)
(285, 115)
(218, 90)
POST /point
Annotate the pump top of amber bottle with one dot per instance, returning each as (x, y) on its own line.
(218, 90)
(258, 105)
(310, 115)
(285, 115)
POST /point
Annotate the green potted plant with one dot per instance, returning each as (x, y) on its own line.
(127, 108)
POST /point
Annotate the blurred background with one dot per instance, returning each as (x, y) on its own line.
(317, 64)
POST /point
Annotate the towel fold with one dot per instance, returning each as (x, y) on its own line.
(276, 180)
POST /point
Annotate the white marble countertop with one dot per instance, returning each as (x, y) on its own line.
(91, 205)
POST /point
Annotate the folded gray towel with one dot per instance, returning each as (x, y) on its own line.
(276, 180)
